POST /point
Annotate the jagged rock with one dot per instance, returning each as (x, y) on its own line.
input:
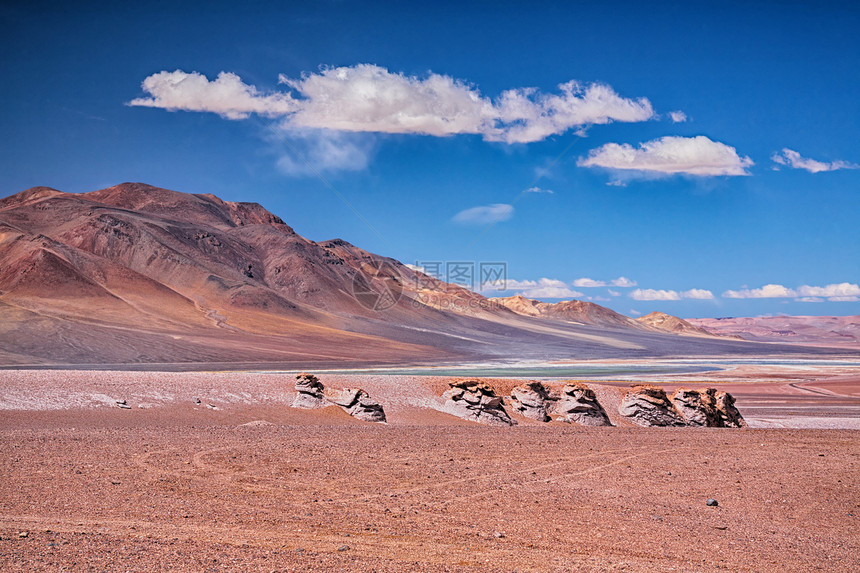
(708, 408)
(699, 408)
(532, 401)
(358, 404)
(310, 392)
(578, 403)
(727, 414)
(647, 405)
(476, 401)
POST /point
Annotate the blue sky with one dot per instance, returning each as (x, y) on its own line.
(707, 154)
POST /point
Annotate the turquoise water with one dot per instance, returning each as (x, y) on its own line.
(542, 371)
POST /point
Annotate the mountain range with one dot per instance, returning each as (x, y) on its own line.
(136, 274)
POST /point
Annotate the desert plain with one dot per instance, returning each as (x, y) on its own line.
(215, 471)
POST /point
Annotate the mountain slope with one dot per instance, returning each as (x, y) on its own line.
(139, 274)
(579, 311)
(662, 321)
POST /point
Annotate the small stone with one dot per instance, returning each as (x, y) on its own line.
(24, 534)
(197, 400)
(343, 548)
(712, 502)
(123, 404)
(498, 535)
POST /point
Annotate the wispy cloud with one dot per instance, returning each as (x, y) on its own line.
(586, 282)
(370, 98)
(837, 292)
(485, 214)
(793, 159)
(669, 155)
(324, 150)
(539, 190)
(677, 116)
(654, 294)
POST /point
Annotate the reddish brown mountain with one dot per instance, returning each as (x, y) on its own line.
(577, 311)
(833, 331)
(138, 274)
(662, 321)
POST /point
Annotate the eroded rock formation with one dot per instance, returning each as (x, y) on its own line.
(647, 405)
(578, 404)
(310, 392)
(699, 408)
(727, 414)
(358, 404)
(532, 400)
(477, 401)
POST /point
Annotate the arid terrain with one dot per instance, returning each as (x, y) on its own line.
(216, 472)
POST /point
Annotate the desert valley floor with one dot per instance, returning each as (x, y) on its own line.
(243, 482)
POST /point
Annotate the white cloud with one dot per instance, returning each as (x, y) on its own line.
(416, 268)
(677, 116)
(485, 214)
(793, 159)
(836, 292)
(809, 299)
(539, 190)
(697, 293)
(634, 312)
(541, 288)
(832, 290)
(226, 95)
(767, 291)
(588, 283)
(614, 293)
(652, 294)
(369, 98)
(671, 154)
(622, 282)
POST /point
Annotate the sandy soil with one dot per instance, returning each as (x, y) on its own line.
(254, 485)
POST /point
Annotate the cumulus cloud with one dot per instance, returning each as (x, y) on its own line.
(669, 155)
(767, 291)
(369, 98)
(838, 292)
(226, 95)
(590, 283)
(541, 288)
(697, 293)
(793, 159)
(622, 282)
(539, 190)
(485, 214)
(677, 116)
(652, 294)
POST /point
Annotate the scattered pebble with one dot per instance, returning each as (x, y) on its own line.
(24, 534)
(712, 502)
(343, 548)
(123, 404)
(498, 535)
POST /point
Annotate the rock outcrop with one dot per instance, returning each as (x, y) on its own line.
(477, 401)
(358, 404)
(709, 407)
(727, 414)
(578, 404)
(699, 408)
(532, 400)
(310, 392)
(647, 405)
